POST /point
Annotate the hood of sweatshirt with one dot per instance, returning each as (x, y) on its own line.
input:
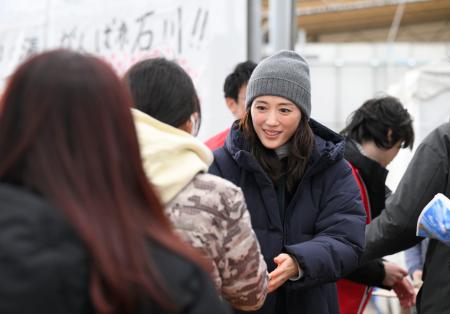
(171, 157)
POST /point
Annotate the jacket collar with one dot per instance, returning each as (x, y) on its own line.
(328, 148)
(369, 169)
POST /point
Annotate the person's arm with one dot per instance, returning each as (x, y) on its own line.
(369, 274)
(243, 269)
(395, 229)
(385, 275)
(335, 249)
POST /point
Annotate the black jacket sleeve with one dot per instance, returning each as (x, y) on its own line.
(427, 174)
(369, 274)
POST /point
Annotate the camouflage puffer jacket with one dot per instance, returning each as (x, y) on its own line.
(211, 214)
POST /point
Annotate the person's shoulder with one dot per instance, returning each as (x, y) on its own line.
(336, 169)
(36, 239)
(219, 189)
(211, 196)
(445, 128)
(436, 143)
(26, 209)
(440, 134)
(214, 183)
(26, 212)
(23, 200)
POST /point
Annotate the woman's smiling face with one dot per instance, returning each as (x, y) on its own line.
(275, 120)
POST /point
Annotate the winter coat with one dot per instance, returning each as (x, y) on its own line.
(354, 291)
(322, 226)
(207, 211)
(395, 229)
(45, 267)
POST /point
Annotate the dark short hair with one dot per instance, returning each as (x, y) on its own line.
(372, 121)
(236, 79)
(163, 90)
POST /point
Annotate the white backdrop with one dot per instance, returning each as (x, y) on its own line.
(206, 37)
(343, 76)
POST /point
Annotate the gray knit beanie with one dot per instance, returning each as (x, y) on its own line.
(284, 74)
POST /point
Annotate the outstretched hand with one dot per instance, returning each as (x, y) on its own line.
(286, 268)
(405, 292)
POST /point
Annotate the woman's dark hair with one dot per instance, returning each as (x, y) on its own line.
(67, 133)
(373, 120)
(301, 146)
(163, 90)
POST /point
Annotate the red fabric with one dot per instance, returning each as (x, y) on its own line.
(353, 296)
(217, 140)
(362, 188)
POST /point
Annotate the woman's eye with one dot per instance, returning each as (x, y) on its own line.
(285, 110)
(260, 108)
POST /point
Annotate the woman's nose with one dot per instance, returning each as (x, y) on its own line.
(272, 118)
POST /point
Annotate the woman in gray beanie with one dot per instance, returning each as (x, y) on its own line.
(303, 200)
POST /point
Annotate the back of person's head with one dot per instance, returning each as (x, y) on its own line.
(382, 120)
(238, 78)
(164, 91)
(66, 132)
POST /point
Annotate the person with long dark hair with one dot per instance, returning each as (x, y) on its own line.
(207, 211)
(304, 203)
(81, 229)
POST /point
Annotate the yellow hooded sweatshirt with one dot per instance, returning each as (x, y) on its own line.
(171, 157)
(207, 211)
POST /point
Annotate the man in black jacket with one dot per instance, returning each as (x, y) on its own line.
(395, 229)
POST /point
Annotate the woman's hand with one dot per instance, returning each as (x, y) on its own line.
(286, 268)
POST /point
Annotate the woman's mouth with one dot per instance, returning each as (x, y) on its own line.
(271, 133)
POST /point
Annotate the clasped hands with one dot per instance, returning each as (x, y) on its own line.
(396, 277)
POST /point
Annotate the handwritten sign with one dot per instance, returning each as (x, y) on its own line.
(207, 38)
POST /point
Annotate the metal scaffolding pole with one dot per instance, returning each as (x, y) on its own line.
(282, 24)
(254, 33)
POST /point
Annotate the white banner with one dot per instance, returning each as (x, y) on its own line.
(206, 37)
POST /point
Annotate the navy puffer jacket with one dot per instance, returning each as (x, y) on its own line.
(323, 225)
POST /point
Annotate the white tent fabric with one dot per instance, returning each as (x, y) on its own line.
(425, 92)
